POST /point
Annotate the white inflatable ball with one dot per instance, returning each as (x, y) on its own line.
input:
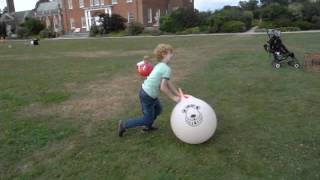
(193, 121)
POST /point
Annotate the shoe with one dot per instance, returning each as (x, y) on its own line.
(121, 129)
(148, 129)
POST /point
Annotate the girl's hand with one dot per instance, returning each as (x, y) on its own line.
(176, 99)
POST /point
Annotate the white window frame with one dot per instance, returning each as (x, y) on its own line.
(130, 18)
(91, 2)
(150, 20)
(81, 3)
(114, 2)
(70, 4)
(72, 24)
(83, 22)
(96, 2)
(129, 1)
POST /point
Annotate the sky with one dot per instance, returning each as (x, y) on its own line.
(202, 5)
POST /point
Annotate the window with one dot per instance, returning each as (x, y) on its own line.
(157, 17)
(83, 22)
(72, 23)
(102, 2)
(96, 2)
(158, 13)
(130, 17)
(70, 4)
(81, 3)
(150, 15)
(129, 1)
(114, 1)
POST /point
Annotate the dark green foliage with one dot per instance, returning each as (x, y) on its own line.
(300, 14)
(23, 32)
(311, 10)
(303, 25)
(111, 23)
(220, 20)
(3, 30)
(233, 26)
(94, 30)
(167, 24)
(33, 26)
(46, 33)
(274, 12)
(135, 28)
(179, 20)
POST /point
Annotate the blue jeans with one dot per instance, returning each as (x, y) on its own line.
(151, 108)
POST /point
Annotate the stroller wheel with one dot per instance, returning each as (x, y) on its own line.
(276, 65)
(297, 65)
(291, 63)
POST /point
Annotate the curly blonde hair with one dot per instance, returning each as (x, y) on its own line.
(161, 50)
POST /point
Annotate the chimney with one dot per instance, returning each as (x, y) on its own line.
(10, 5)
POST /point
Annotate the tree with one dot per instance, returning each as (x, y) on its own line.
(179, 20)
(111, 23)
(5, 10)
(3, 30)
(268, 2)
(33, 26)
(275, 11)
(250, 5)
(310, 10)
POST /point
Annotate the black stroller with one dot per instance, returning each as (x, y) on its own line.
(280, 53)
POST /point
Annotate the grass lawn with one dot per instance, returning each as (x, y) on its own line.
(60, 104)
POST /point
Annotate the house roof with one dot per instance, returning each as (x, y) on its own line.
(21, 15)
(47, 6)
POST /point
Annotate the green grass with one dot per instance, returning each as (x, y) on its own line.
(268, 124)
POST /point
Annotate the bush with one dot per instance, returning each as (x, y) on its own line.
(194, 30)
(288, 29)
(303, 25)
(135, 28)
(247, 18)
(283, 22)
(204, 29)
(33, 26)
(167, 24)
(117, 23)
(109, 24)
(22, 32)
(45, 33)
(118, 34)
(233, 26)
(179, 20)
(151, 31)
(316, 22)
(94, 31)
(3, 29)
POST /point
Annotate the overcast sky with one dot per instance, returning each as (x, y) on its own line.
(202, 5)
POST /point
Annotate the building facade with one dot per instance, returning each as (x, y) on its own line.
(80, 15)
(50, 13)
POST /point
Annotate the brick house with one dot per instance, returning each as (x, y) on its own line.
(79, 15)
(50, 13)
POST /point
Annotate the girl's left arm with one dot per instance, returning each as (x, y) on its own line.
(172, 88)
